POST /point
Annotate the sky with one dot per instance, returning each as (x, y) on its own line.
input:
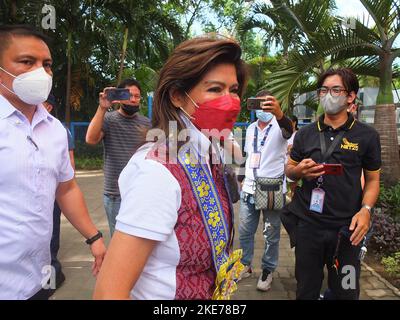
(350, 8)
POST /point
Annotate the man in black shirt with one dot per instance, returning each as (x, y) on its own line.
(331, 212)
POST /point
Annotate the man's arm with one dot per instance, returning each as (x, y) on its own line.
(361, 220)
(272, 105)
(73, 206)
(286, 127)
(371, 189)
(95, 131)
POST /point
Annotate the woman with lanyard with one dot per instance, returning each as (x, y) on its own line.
(174, 230)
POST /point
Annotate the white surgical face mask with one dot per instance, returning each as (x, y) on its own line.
(31, 87)
(333, 105)
(264, 116)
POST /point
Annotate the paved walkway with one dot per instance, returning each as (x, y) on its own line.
(76, 258)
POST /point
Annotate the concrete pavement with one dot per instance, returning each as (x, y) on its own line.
(76, 259)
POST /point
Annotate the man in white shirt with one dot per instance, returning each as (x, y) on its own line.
(270, 132)
(35, 169)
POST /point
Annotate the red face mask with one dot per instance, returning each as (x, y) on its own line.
(219, 114)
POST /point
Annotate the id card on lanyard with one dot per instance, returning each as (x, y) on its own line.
(318, 193)
(317, 200)
(255, 158)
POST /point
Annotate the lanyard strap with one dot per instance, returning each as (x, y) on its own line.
(326, 154)
(263, 140)
(255, 142)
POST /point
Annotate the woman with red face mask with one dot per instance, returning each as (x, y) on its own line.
(174, 230)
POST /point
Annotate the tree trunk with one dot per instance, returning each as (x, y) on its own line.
(385, 124)
(385, 95)
(68, 93)
(13, 11)
(123, 54)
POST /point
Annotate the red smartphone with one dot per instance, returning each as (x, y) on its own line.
(335, 169)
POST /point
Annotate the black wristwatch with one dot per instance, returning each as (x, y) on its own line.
(94, 238)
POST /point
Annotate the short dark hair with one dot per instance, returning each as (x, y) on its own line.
(263, 93)
(129, 83)
(186, 67)
(7, 31)
(349, 79)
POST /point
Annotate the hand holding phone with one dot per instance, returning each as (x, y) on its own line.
(266, 103)
(255, 103)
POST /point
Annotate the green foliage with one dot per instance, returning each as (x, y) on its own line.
(385, 238)
(88, 157)
(389, 199)
(392, 264)
(88, 163)
(96, 29)
(84, 150)
(322, 38)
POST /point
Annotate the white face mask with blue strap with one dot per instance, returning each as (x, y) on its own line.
(264, 116)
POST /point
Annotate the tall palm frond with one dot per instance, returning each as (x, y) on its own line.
(284, 82)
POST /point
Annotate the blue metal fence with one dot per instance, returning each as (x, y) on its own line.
(78, 129)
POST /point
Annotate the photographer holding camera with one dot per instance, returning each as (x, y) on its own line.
(265, 146)
(122, 133)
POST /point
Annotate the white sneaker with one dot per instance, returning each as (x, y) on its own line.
(246, 272)
(264, 282)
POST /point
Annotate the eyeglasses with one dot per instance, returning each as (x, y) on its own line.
(335, 91)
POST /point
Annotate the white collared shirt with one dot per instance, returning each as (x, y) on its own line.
(272, 163)
(30, 173)
(150, 200)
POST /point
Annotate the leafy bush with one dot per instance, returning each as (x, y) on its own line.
(88, 163)
(385, 239)
(392, 264)
(389, 200)
(86, 151)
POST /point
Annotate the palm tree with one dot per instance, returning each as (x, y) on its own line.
(375, 52)
(289, 29)
(146, 27)
(74, 38)
(270, 18)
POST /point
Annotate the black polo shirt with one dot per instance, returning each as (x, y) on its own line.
(358, 149)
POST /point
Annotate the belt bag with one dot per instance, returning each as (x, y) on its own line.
(269, 194)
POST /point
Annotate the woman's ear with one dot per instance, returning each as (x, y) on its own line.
(177, 98)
